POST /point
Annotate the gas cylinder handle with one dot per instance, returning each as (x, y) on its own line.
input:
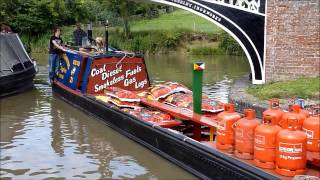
(267, 119)
(274, 103)
(292, 123)
(249, 113)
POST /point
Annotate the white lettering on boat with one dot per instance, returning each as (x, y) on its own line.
(104, 76)
(131, 72)
(108, 83)
(141, 84)
(104, 72)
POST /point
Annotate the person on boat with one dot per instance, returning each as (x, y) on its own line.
(5, 28)
(55, 49)
(99, 47)
(78, 34)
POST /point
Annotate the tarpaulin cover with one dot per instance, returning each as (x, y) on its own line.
(12, 53)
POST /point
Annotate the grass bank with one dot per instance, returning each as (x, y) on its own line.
(179, 30)
(307, 88)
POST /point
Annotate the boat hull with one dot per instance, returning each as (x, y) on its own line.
(191, 155)
(17, 82)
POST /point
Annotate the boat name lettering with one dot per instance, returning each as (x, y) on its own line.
(141, 84)
(128, 82)
(107, 83)
(104, 72)
(132, 72)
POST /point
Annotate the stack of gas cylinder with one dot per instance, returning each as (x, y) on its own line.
(283, 141)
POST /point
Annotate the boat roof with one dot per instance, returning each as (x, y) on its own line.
(117, 54)
(12, 52)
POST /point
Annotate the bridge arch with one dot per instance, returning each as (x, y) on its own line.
(244, 20)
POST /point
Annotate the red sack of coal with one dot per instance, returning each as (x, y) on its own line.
(211, 106)
(159, 91)
(154, 115)
(163, 90)
(178, 99)
(131, 111)
(186, 101)
(123, 104)
(122, 95)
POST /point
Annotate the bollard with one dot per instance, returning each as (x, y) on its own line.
(198, 68)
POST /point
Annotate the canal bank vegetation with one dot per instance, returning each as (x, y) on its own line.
(175, 31)
(168, 32)
(307, 88)
(134, 26)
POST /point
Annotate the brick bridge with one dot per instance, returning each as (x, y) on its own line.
(281, 38)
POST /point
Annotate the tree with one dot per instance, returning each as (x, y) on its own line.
(123, 8)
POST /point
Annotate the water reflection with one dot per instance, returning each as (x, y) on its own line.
(218, 74)
(44, 137)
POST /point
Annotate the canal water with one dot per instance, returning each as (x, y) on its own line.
(44, 137)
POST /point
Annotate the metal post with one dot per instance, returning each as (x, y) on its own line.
(89, 29)
(197, 96)
(107, 36)
(197, 86)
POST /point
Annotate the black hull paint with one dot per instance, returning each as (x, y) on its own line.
(17, 82)
(194, 157)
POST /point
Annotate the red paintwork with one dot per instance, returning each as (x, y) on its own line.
(129, 74)
(169, 124)
(82, 69)
(77, 92)
(181, 113)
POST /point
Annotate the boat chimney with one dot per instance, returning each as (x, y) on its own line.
(89, 27)
(107, 36)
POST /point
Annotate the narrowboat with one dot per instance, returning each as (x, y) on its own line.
(91, 81)
(17, 70)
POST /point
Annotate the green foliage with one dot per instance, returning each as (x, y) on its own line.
(307, 88)
(229, 45)
(147, 41)
(34, 18)
(127, 9)
(166, 33)
(178, 19)
(206, 50)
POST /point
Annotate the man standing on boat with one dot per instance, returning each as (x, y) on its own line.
(78, 34)
(54, 50)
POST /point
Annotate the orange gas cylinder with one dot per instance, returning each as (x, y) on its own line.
(265, 142)
(311, 127)
(274, 110)
(294, 113)
(291, 150)
(244, 136)
(225, 133)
